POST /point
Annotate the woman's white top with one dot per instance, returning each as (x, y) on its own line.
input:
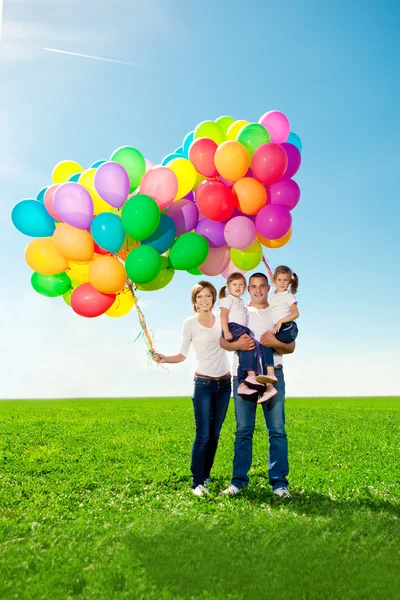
(280, 304)
(211, 359)
(237, 310)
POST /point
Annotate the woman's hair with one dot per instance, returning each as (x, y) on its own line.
(232, 277)
(294, 280)
(199, 287)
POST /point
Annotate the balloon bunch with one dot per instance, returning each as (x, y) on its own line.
(124, 224)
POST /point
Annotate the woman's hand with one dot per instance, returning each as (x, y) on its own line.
(159, 358)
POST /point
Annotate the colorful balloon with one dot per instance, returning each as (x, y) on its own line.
(140, 216)
(252, 136)
(133, 162)
(213, 231)
(231, 268)
(275, 243)
(40, 196)
(184, 214)
(295, 140)
(273, 221)
(122, 305)
(112, 183)
(201, 154)
(189, 251)
(277, 125)
(73, 243)
(78, 272)
(250, 195)
(234, 129)
(225, 122)
(286, 192)
(196, 271)
(167, 159)
(215, 200)
(143, 264)
(232, 161)
(187, 142)
(48, 201)
(108, 232)
(64, 170)
(97, 164)
(269, 163)
(185, 174)
(248, 258)
(294, 159)
(129, 244)
(42, 256)
(31, 218)
(211, 130)
(160, 183)
(88, 302)
(51, 285)
(164, 277)
(217, 260)
(107, 275)
(73, 203)
(164, 236)
(240, 232)
(87, 181)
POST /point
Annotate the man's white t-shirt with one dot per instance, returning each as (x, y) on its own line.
(237, 310)
(259, 321)
(211, 359)
(280, 303)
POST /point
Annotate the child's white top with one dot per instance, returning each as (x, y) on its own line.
(280, 303)
(237, 311)
(211, 359)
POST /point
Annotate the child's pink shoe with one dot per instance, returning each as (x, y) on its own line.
(267, 395)
(243, 390)
(252, 383)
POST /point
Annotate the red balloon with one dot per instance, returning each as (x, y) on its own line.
(86, 301)
(99, 250)
(201, 155)
(215, 200)
(269, 163)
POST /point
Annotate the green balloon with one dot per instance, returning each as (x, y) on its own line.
(189, 251)
(143, 264)
(252, 136)
(211, 130)
(196, 271)
(51, 285)
(133, 162)
(164, 277)
(140, 216)
(225, 122)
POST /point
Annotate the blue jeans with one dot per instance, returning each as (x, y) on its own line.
(274, 415)
(247, 358)
(210, 402)
(287, 334)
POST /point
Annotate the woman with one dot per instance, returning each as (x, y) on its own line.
(212, 381)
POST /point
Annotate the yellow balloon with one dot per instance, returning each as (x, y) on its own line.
(64, 170)
(123, 303)
(234, 129)
(199, 180)
(275, 243)
(75, 244)
(185, 173)
(107, 275)
(100, 206)
(78, 272)
(43, 257)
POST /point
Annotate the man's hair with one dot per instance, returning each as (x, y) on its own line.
(263, 275)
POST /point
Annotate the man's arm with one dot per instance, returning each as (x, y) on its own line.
(245, 342)
(269, 340)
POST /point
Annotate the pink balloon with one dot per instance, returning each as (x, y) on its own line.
(231, 268)
(273, 221)
(216, 261)
(74, 204)
(48, 201)
(294, 159)
(277, 125)
(149, 164)
(185, 215)
(112, 183)
(240, 232)
(286, 192)
(161, 184)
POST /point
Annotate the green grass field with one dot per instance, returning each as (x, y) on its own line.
(95, 503)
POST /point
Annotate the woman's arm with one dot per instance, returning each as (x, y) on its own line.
(175, 358)
(294, 314)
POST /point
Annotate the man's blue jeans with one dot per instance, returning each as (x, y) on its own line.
(210, 402)
(274, 414)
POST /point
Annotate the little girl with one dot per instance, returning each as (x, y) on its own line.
(284, 312)
(234, 324)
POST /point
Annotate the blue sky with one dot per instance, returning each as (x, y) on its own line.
(332, 68)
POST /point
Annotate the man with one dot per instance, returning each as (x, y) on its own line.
(260, 323)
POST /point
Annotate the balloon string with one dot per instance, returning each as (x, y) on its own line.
(269, 271)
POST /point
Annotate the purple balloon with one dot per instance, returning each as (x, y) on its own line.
(189, 196)
(294, 159)
(184, 214)
(112, 183)
(213, 231)
(273, 221)
(74, 205)
(286, 192)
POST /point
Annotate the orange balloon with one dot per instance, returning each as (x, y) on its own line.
(250, 195)
(275, 243)
(129, 245)
(43, 257)
(75, 244)
(107, 275)
(232, 160)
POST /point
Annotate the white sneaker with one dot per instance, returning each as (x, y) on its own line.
(207, 482)
(200, 490)
(282, 492)
(232, 490)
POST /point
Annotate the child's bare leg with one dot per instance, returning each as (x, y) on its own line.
(269, 377)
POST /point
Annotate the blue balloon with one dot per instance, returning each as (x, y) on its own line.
(107, 232)
(164, 236)
(179, 151)
(97, 164)
(187, 143)
(31, 218)
(75, 177)
(41, 194)
(295, 140)
(170, 157)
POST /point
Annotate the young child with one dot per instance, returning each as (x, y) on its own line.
(234, 324)
(284, 312)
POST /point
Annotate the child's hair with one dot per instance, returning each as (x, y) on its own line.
(199, 287)
(294, 280)
(232, 277)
